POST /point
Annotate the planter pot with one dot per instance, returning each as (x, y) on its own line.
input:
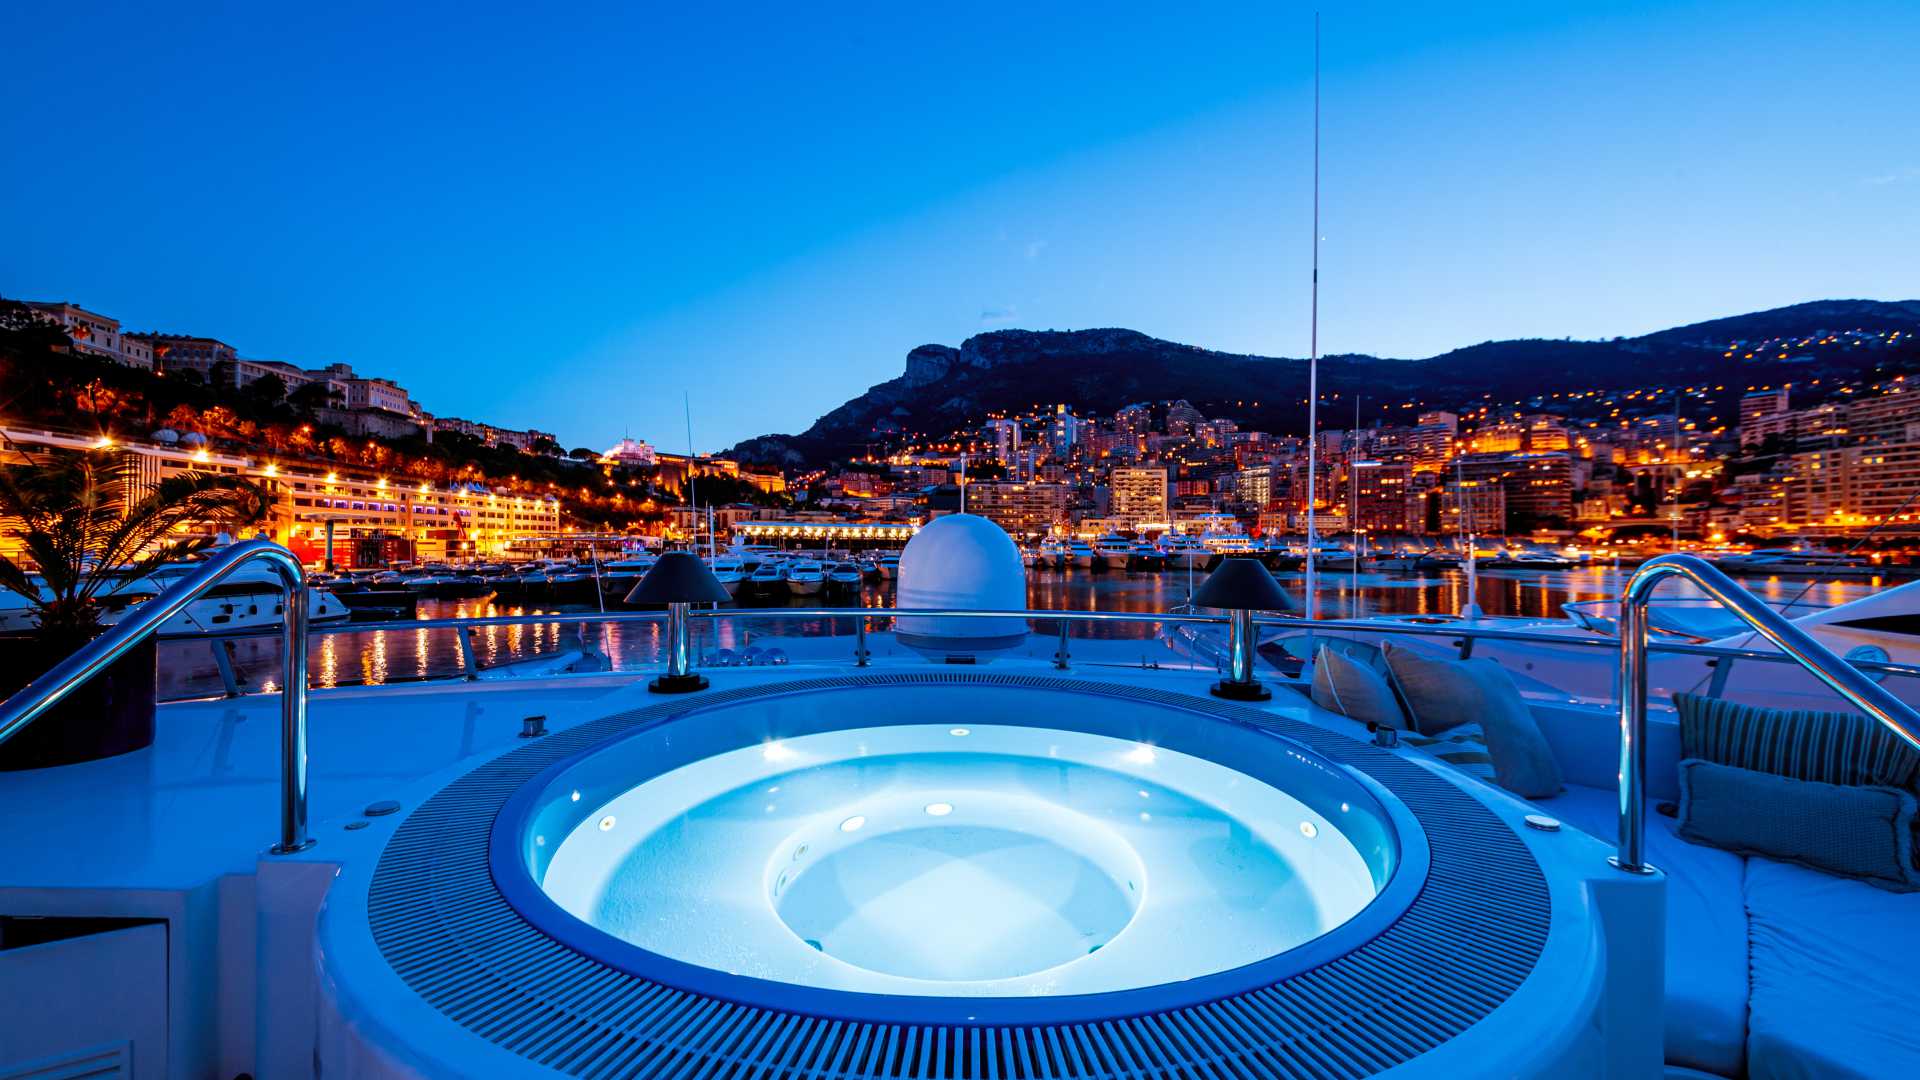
(110, 714)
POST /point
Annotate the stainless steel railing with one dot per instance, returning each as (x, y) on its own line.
(50, 689)
(1795, 644)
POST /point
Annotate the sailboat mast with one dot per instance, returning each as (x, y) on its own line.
(1313, 336)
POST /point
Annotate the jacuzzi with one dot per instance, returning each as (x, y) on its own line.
(945, 874)
(906, 853)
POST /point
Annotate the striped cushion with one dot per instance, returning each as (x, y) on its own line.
(1802, 744)
(1463, 746)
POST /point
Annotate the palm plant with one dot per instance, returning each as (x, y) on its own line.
(88, 521)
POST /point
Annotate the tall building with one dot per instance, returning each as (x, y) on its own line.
(1140, 495)
(1433, 440)
(1757, 405)
(96, 334)
(1023, 510)
(1063, 432)
(1381, 493)
(1005, 437)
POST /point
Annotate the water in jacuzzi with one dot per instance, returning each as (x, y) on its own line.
(996, 860)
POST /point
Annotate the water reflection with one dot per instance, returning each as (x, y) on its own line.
(379, 656)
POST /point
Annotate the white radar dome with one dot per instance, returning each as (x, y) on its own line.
(961, 561)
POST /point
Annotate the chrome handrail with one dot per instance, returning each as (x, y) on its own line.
(1796, 644)
(50, 689)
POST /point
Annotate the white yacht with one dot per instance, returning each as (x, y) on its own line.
(804, 577)
(1111, 551)
(730, 571)
(559, 874)
(1183, 551)
(250, 599)
(1078, 555)
(769, 576)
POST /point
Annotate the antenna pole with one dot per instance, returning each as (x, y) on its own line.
(1313, 335)
(693, 472)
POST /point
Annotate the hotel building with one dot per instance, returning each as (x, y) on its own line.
(369, 517)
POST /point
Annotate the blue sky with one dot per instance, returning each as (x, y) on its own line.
(569, 223)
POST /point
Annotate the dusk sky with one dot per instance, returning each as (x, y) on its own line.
(567, 223)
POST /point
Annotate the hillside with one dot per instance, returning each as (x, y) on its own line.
(1097, 371)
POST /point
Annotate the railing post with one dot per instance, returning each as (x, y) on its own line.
(861, 657)
(1631, 854)
(222, 651)
(469, 666)
(293, 718)
(1060, 654)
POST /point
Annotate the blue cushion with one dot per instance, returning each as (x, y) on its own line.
(1833, 992)
(1858, 832)
(1706, 956)
(1805, 744)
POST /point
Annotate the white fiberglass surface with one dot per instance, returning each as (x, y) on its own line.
(977, 861)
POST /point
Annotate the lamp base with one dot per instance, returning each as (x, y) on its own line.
(678, 684)
(1246, 691)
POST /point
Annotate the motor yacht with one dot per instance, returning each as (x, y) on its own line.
(804, 577)
(844, 578)
(730, 571)
(1078, 555)
(768, 578)
(1798, 562)
(558, 873)
(1111, 551)
(888, 565)
(249, 599)
(1183, 551)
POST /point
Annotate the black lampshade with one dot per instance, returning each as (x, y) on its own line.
(679, 578)
(1242, 584)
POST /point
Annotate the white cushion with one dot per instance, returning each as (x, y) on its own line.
(1834, 993)
(1706, 931)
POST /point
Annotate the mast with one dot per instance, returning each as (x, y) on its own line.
(693, 472)
(1313, 334)
(1353, 512)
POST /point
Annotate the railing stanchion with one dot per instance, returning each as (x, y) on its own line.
(469, 666)
(222, 651)
(861, 657)
(1060, 654)
(293, 724)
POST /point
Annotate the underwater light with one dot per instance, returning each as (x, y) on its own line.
(853, 823)
(939, 809)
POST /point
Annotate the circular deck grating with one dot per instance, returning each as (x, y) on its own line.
(1469, 939)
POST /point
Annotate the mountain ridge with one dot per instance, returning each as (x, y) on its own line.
(1101, 369)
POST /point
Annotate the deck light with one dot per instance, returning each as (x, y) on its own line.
(679, 580)
(1242, 586)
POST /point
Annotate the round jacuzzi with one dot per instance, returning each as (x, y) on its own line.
(903, 852)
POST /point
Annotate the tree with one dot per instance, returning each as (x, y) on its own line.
(88, 521)
(268, 389)
(313, 395)
(583, 453)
